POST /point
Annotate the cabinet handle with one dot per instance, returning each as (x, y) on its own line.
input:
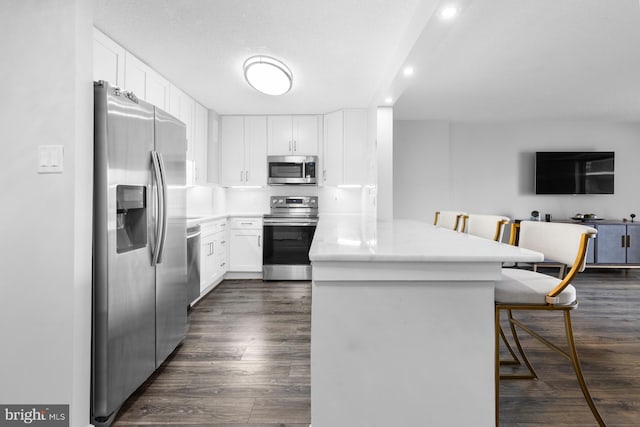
(295, 146)
(623, 241)
(240, 176)
(222, 264)
(259, 240)
(628, 240)
(223, 242)
(246, 176)
(289, 145)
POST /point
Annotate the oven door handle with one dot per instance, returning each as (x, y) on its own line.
(290, 224)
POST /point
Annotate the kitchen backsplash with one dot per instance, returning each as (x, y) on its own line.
(207, 200)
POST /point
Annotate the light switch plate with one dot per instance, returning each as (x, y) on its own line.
(50, 159)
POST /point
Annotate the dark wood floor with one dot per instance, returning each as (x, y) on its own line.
(245, 361)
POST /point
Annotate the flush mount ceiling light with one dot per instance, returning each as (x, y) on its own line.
(268, 75)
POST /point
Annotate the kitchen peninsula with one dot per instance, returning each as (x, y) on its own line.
(402, 323)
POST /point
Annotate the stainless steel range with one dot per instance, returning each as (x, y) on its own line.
(288, 232)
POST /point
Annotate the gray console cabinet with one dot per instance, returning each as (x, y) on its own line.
(617, 244)
(633, 248)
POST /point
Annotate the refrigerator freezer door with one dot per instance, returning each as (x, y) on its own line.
(171, 270)
(124, 283)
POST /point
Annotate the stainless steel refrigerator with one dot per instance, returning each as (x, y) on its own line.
(139, 245)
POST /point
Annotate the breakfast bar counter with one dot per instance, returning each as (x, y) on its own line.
(402, 323)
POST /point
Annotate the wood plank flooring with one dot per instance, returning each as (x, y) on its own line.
(245, 361)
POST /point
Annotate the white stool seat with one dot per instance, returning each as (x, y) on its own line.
(529, 287)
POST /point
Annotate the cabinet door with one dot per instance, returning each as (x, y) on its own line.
(332, 173)
(306, 135)
(213, 148)
(633, 250)
(231, 150)
(610, 246)
(246, 250)
(207, 261)
(135, 76)
(355, 147)
(591, 253)
(280, 139)
(201, 119)
(157, 90)
(108, 60)
(255, 141)
(220, 250)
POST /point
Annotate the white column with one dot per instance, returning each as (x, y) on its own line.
(384, 148)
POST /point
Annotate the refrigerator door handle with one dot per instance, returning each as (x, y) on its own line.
(157, 173)
(163, 204)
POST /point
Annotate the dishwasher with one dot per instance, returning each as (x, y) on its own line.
(193, 263)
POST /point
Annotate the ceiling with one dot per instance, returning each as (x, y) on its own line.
(498, 60)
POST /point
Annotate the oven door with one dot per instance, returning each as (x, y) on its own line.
(285, 254)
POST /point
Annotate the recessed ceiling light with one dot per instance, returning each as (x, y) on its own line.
(448, 12)
(388, 100)
(408, 71)
(268, 75)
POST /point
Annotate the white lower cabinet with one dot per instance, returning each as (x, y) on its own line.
(213, 253)
(246, 245)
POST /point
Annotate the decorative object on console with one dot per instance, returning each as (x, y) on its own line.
(633, 216)
(586, 217)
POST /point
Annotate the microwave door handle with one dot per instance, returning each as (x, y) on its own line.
(158, 205)
(165, 212)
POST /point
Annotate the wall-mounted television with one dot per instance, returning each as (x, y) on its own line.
(574, 172)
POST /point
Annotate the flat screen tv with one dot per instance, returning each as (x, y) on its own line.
(574, 172)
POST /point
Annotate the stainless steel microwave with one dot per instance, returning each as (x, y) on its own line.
(292, 170)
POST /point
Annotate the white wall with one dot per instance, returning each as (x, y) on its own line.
(422, 169)
(45, 220)
(488, 168)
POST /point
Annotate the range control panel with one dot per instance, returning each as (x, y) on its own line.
(284, 202)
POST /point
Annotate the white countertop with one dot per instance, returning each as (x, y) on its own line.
(199, 219)
(363, 238)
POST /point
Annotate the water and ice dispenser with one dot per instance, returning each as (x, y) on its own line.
(131, 217)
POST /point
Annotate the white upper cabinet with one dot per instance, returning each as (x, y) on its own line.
(345, 144)
(333, 158)
(183, 106)
(145, 83)
(231, 150)
(294, 135)
(108, 60)
(200, 136)
(255, 141)
(157, 90)
(111, 62)
(135, 76)
(243, 150)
